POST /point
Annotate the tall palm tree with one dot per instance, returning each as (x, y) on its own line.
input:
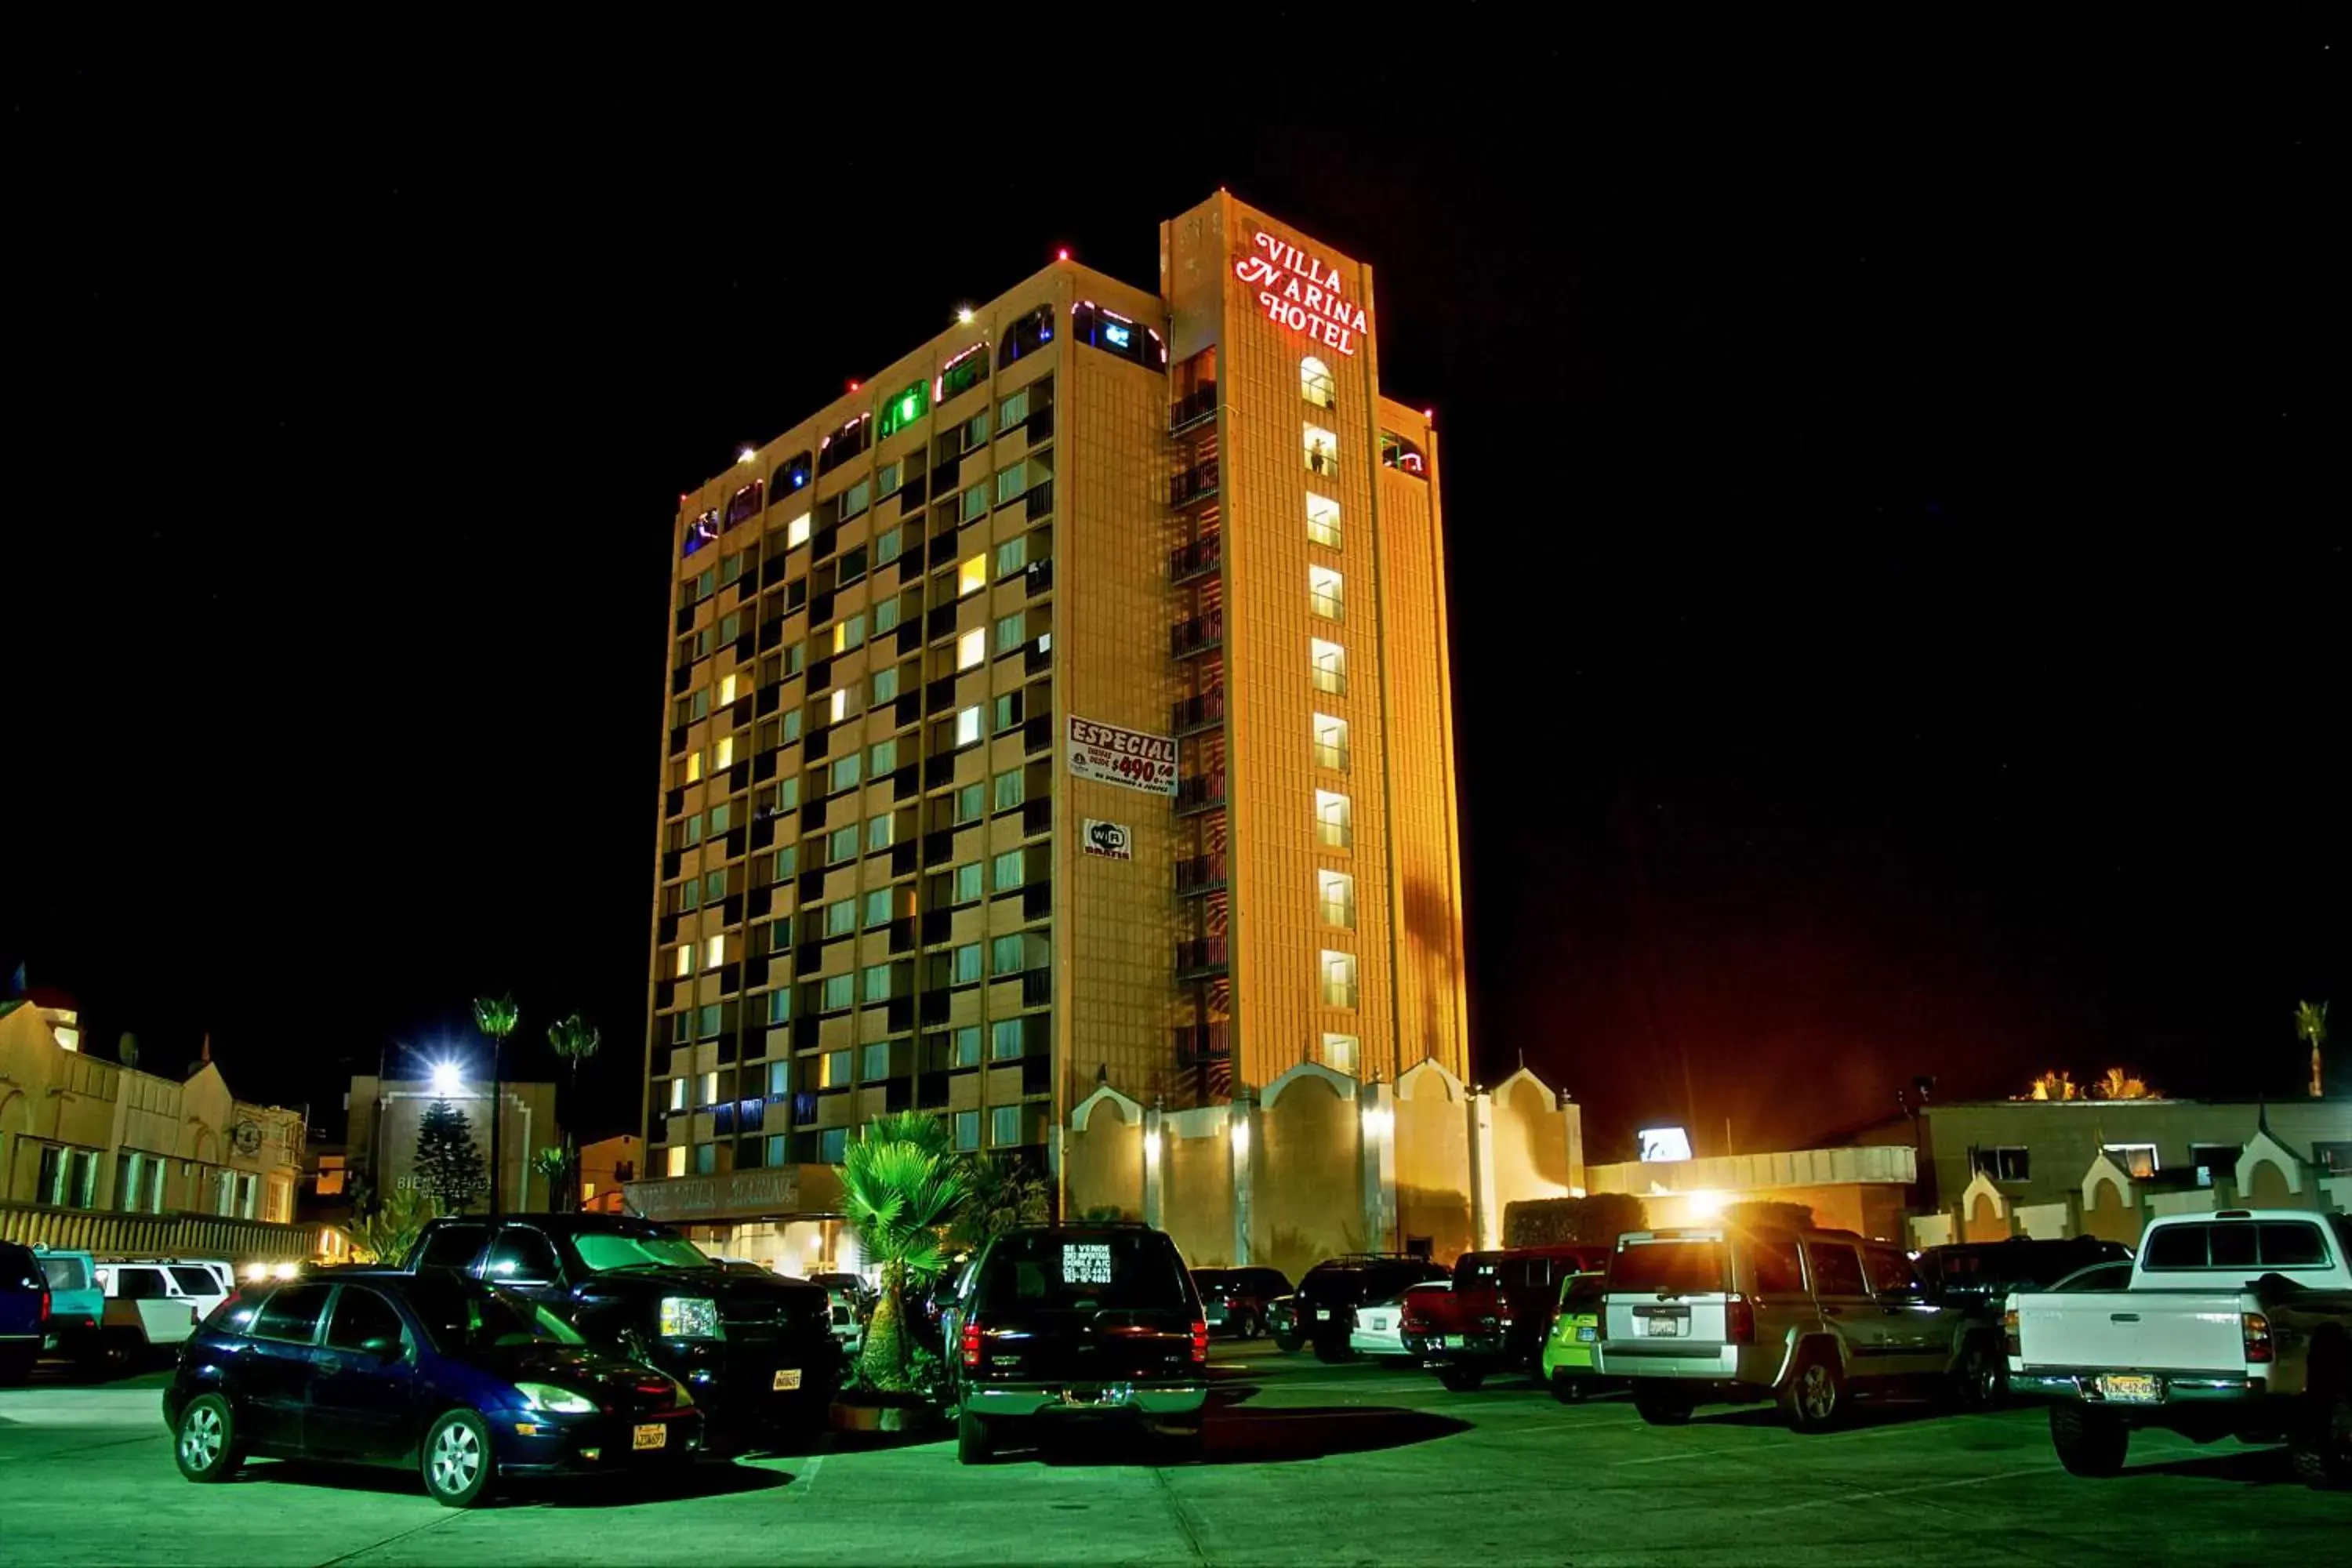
(573, 1041)
(497, 1017)
(901, 1185)
(2311, 1023)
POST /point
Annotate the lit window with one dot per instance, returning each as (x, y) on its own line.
(1004, 1040)
(677, 1094)
(966, 960)
(876, 986)
(966, 1046)
(780, 1011)
(719, 816)
(710, 1089)
(881, 758)
(873, 1061)
(887, 478)
(881, 832)
(722, 755)
(889, 545)
(1330, 661)
(1012, 556)
(844, 772)
(1323, 520)
(693, 766)
(971, 648)
(1330, 742)
(1010, 790)
(877, 909)
(1008, 954)
(1315, 382)
(1335, 893)
(833, 1143)
(848, 634)
(1013, 410)
(841, 845)
(1326, 592)
(714, 951)
(682, 961)
(967, 729)
(727, 684)
(973, 505)
(906, 408)
(1340, 1053)
(1012, 631)
(967, 1129)
(838, 992)
(1338, 979)
(837, 706)
(841, 917)
(885, 686)
(1004, 713)
(971, 576)
(796, 533)
(1009, 870)
(676, 1166)
(1322, 451)
(970, 801)
(1005, 1126)
(967, 883)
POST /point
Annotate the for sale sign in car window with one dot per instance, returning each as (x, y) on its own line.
(1085, 1263)
(1130, 758)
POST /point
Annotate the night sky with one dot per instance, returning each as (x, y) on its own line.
(1894, 489)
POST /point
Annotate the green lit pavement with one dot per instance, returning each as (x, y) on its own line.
(1304, 1463)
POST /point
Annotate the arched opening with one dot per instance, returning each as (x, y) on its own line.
(1315, 382)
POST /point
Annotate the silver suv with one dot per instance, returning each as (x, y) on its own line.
(1807, 1318)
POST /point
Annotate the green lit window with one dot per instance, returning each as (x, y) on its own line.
(854, 500)
(906, 408)
(721, 815)
(1004, 713)
(1007, 955)
(788, 795)
(714, 886)
(1013, 410)
(795, 660)
(1005, 1126)
(780, 1011)
(966, 1053)
(839, 991)
(841, 917)
(849, 633)
(876, 984)
(1008, 789)
(700, 708)
(975, 430)
(1004, 1040)
(1012, 631)
(967, 883)
(887, 478)
(877, 908)
(1011, 482)
(885, 617)
(788, 862)
(885, 686)
(881, 832)
(876, 1066)
(973, 503)
(967, 964)
(965, 374)
(689, 895)
(1009, 870)
(833, 1143)
(707, 1022)
(882, 758)
(844, 771)
(889, 545)
(694, 829)
(1012, 556)
(967, 1130)
(841, 845)
(970, 803)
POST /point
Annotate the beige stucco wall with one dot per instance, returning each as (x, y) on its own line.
(1106, 1165)
(1197, 1205)
(1306, 1190)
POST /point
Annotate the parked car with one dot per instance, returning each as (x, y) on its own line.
(1379, 1328)
(1235, 1299)
(468, 1384)
(1811, 1318)
(2234, 1323)
(1495, 1316)
(24, 1313)
(1568, 1363)
(77, 1307)
(1059, 1326)
(1978, 1277)
(202, 1286)
(849, 1320)
(2115, 1275)
(146, 1315)
(1323, 1311)
(759, 1355)
(855, 1285)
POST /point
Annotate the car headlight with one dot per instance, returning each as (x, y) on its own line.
(559, 1400)
(690, 1318)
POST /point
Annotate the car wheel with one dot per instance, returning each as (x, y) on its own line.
(1661, 1405)
(1980, 1378)
(1250, 1328)
(1331, 1349)
(1814, 1396)
(458, 1464)
(1566, 1389)
(975, 1444)
(2322, 1445)
(203, 1440)
(1462, 1379)
(2089, 1442)
(1289, 1345)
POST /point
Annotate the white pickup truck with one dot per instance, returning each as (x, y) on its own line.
(2237, 1323)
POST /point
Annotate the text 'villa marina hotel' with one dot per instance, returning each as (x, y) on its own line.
(1066, 706)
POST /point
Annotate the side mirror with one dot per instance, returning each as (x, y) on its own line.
(383, 1347)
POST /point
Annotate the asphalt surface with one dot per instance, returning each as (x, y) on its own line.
(1303, 1463)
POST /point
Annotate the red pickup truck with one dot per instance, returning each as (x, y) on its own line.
(1495, 1316)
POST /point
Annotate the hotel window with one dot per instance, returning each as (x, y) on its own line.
(1004, 713)
(1016, 481)
(841, 917)
(1010, 871)
(1335, 893)
(1330, 661)
(885, 686)
(1341, 1053)
(887, 479)
(677, 1094)
(964, 1046)
(2138, 1159)
(789, 730)
(876, 985)
(833, 1143)
(889, 544)
(790, 475)
(833, 1069)
(1012, 556)
(1338, 979)
(1330, 742)
(906, 408)
(881, 832)
(675, 1159)
(694, 767)
(2005, 1164)
(714, 951)
(847, 633)
(877, 909)
(967, 727)
(1322, 451)
(1327, 593)
(967, 883)
(728, 687)
(721, 815)
(881, 758)
(838, 992)
(1005, 1126)
(796, 533)
(709, 1089)
(966, 966)
(964, 373)
(1114, 335)
(836, 705)
(682, 961)
(973, 505)
(876, 1065)
(780, 1008)
(853, 501)
(689, 895)
(841, 845)
(971, 576)
(700, 704)
(722, 755)
(714, 886)
(1013, 410)
(970, 801)
(973, 433)
(1012, 631)
(1315, 382)
(967, 1130)
(1027, 336)
(788, 862)
(1323, 521)
(971, 649)
(1401, 454)
(844, 772)
(844, 444)
(1008, 791)
(1004, 1040)
(788, 798)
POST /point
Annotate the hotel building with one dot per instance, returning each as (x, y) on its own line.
(1063, 708)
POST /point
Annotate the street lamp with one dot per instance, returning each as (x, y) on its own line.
(447, 1079)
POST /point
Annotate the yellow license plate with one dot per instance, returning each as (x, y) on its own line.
(787, 1379)
(2130, 1387)
(652, 1434)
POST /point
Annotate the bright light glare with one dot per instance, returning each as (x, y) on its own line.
(1705, 1204)
(1152, 1147)
(1241, 1137)
(1378, 1120)
(446, 1077)
(963, 317)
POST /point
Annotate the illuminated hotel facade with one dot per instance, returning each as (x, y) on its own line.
(1065, 708)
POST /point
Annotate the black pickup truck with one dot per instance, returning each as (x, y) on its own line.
(757, 1353)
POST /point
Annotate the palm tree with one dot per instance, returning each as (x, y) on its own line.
(497, 1017)
(573, 1041)
(1003, 1191)
(901, 1185)
(2311, 1023)
(2118, 1084)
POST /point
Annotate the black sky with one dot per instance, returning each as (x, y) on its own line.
(1893, 495)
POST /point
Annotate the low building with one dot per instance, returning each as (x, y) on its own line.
(606, 1167)
(1864, 1189)
(98, 1155)
(387, 1115)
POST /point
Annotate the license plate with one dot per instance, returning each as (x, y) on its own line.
(1587, 1336)
(787, 1379)
(1664, 1328)
(1454, 1341)
(1322, 1314)
(2131, 1387)
(1117, 1393)
(652, 1434)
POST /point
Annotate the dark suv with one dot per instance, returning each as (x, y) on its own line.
(1060, 1325)
(758, 1352)
(1324, 1310)
(1235, 1299)
(24, 1313)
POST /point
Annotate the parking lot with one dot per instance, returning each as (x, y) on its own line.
(1303, 1463)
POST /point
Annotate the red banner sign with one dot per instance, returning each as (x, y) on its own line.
(1299, 291)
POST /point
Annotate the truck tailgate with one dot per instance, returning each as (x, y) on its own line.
(2138, 1330)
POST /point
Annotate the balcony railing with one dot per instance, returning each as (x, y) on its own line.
(1195, 407)
(1201, 874)
(1195, 559)
(1198, 1043)
(1189, 715)
(1194, 484)
(1207, 956)
(1202, 792)
(1198, 635)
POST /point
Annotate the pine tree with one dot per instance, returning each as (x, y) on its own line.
(448, 1166)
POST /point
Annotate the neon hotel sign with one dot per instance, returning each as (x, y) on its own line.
(1298, 291)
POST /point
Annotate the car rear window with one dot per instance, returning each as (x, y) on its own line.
(1685, 1267)
(1082, 1274)
(196, 1281)
(2280, 1244)
(65, 1273)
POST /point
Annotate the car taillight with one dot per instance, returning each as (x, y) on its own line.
(1740, 1321)
(45, 1304)
(972, 1332)
(2010, 1343)
(2258, 1337)
(1200, 1344)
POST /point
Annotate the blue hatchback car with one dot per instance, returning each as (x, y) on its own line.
(465, 1383)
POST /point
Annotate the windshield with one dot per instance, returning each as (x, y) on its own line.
(601, 1252)
(1669, 1268)
(1083, 1274)
(460, 1316)
(65, 1273)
